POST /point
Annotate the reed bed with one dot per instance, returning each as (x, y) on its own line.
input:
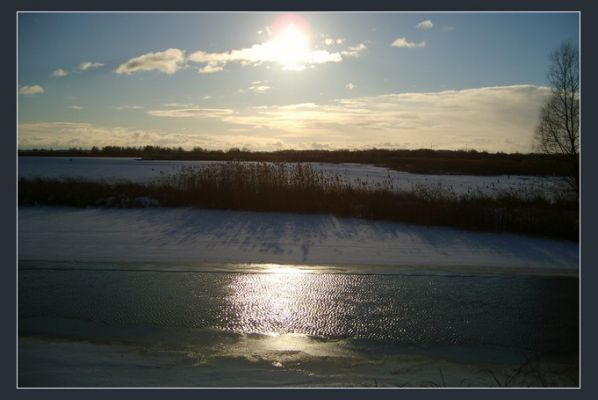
(300, 188)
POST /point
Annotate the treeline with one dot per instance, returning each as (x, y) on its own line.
(426, 161)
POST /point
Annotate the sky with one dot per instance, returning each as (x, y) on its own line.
(271, 81)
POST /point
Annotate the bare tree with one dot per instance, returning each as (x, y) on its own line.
(558, 129)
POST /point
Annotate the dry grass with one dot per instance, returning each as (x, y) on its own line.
(302, 189)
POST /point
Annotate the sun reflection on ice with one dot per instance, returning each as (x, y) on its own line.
(283, 269)
(283, 311)
(270, 302)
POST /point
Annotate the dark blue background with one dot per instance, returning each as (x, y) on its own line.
(589, 149)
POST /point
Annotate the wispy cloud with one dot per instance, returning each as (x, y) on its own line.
(127, 107)
(350, 86)
(427, 24)
(259, 87)
(87, 65)
(267, 30)
(292, 53)
(404, 43)
(86, 135)
(211, 68)
(354, 51)
(178, 105)
(59, 73)
(490, 118)
(191, 112)
(82, 67)
(75, 107)
(329, 41)
(31, 90)
(168, 62)
(261, 53)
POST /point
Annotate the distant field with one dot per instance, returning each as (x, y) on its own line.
(421, 161)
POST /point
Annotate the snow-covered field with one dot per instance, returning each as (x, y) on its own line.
(187, 236)
(145, 171)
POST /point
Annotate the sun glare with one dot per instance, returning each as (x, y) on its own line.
(283, 269)
(292, 47)
(290, 43)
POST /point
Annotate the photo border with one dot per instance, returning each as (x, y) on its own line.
(588, 256)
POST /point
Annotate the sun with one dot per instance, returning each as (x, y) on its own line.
(291, 42)
(292, 46)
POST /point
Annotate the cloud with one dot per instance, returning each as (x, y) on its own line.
(191, 112)
(60, 135)
(210, 68)
(168, 62)
(490, 118)
(86, 65)
(178, 105)
(354, 51)
(31, 90)
(120, 108)
(262, 53)
(292, 52)
(259, 87)
(350, 86)
(59, 73)
(404, 43)
(427, 24)
(75, 107)
(267, 30)
(277, 50)
(328, 41)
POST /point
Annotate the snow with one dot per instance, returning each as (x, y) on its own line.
(218, 236)
(99, 168)
(65, 363)
(460, 184)
(149, 170)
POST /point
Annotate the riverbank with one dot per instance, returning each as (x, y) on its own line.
(190, 235)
